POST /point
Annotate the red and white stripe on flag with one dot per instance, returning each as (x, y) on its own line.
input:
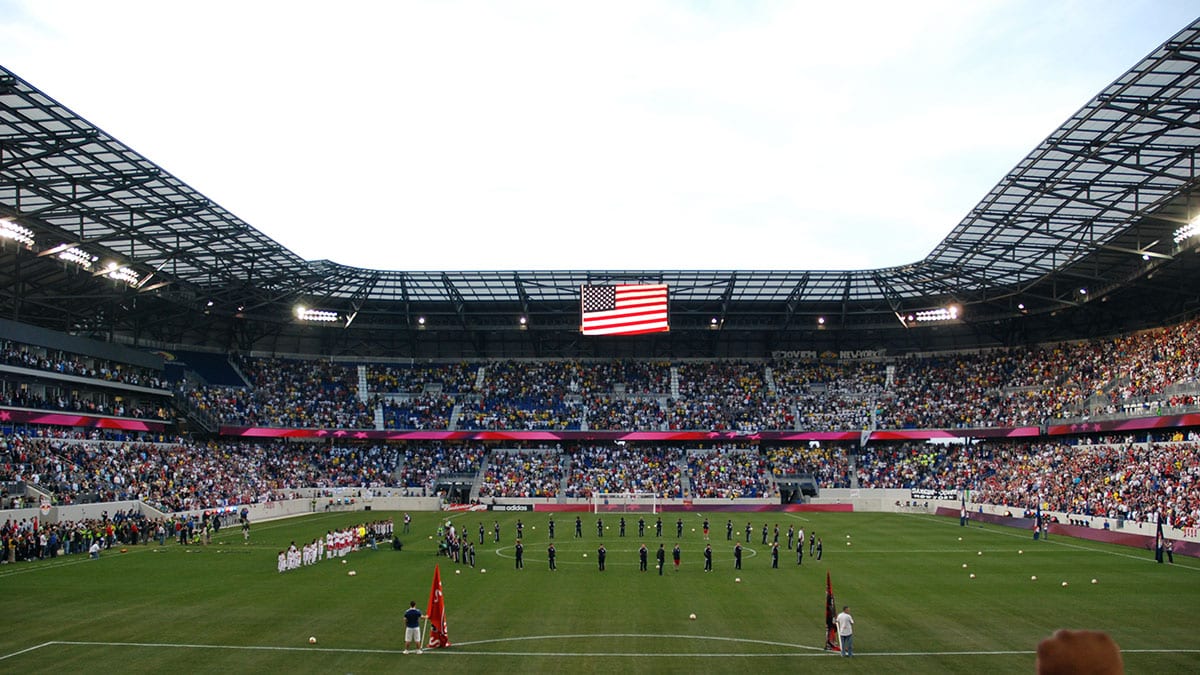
(624, 309)
(438, 636)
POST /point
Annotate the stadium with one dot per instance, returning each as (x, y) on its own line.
(973, 450)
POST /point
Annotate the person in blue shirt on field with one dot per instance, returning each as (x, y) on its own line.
(412, 627)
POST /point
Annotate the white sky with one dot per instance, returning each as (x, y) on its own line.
(570, 135)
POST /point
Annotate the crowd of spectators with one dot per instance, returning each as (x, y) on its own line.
(289, 393)
(1120, 480)
(423, 465)
(523, 473)
(188, 475)
(90, 403)
(449, 378)
(614, 468)
(995, 388)
(731, 472)
(65, 363)
(726, 396)
(617, 413)
(830, 466)
(424, 411)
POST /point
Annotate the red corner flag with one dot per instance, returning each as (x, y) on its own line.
(831, 634)
(437, 613)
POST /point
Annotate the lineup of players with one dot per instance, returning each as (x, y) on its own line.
(461, 549)
(335, 544)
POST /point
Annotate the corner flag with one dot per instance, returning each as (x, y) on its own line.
(437, 613)
(832, 642)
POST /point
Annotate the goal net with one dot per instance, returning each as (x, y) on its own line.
(624, 502)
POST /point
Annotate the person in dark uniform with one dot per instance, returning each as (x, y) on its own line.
(765, 531)
(706, 529)
(708, 557)
(551, 526)
(812, 542)
(800, 552)
(729, 530)
(679, 528)
(1169, 549)
(642, 555)
(550, 554)
(774, 556)
(599, 527)
(622, 526)
(819, 548)
(737, 556)
(675, 553)
(601, 554)
(661, 557)
(776, 534)
(520, 555)
(749, 529)
(496, 531)
(578, 527)
(791, 536)
(520, 529)
(658, 527)
(471, 554)
(481, 534)
(641, 527)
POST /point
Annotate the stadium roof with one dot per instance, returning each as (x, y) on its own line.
(1087, 217)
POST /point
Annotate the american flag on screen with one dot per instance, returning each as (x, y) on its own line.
(624, 309)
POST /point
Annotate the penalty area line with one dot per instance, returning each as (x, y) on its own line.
(26, 650)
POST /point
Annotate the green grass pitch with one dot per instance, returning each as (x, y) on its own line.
(224, 608)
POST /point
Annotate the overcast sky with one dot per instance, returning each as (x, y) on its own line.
(571, 135)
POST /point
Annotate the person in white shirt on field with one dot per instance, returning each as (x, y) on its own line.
(845, 628)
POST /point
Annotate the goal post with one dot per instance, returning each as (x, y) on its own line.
(625, 502)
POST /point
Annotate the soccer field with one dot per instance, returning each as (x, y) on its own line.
(906, 578)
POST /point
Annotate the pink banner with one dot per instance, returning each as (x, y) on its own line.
(1135, 424)
(11, 416)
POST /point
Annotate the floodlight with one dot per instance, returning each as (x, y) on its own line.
(935, 315)
(940, 314)
(18, 233)
(1187, 231)
(119, 272)
(318, 315)
(78, 257)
